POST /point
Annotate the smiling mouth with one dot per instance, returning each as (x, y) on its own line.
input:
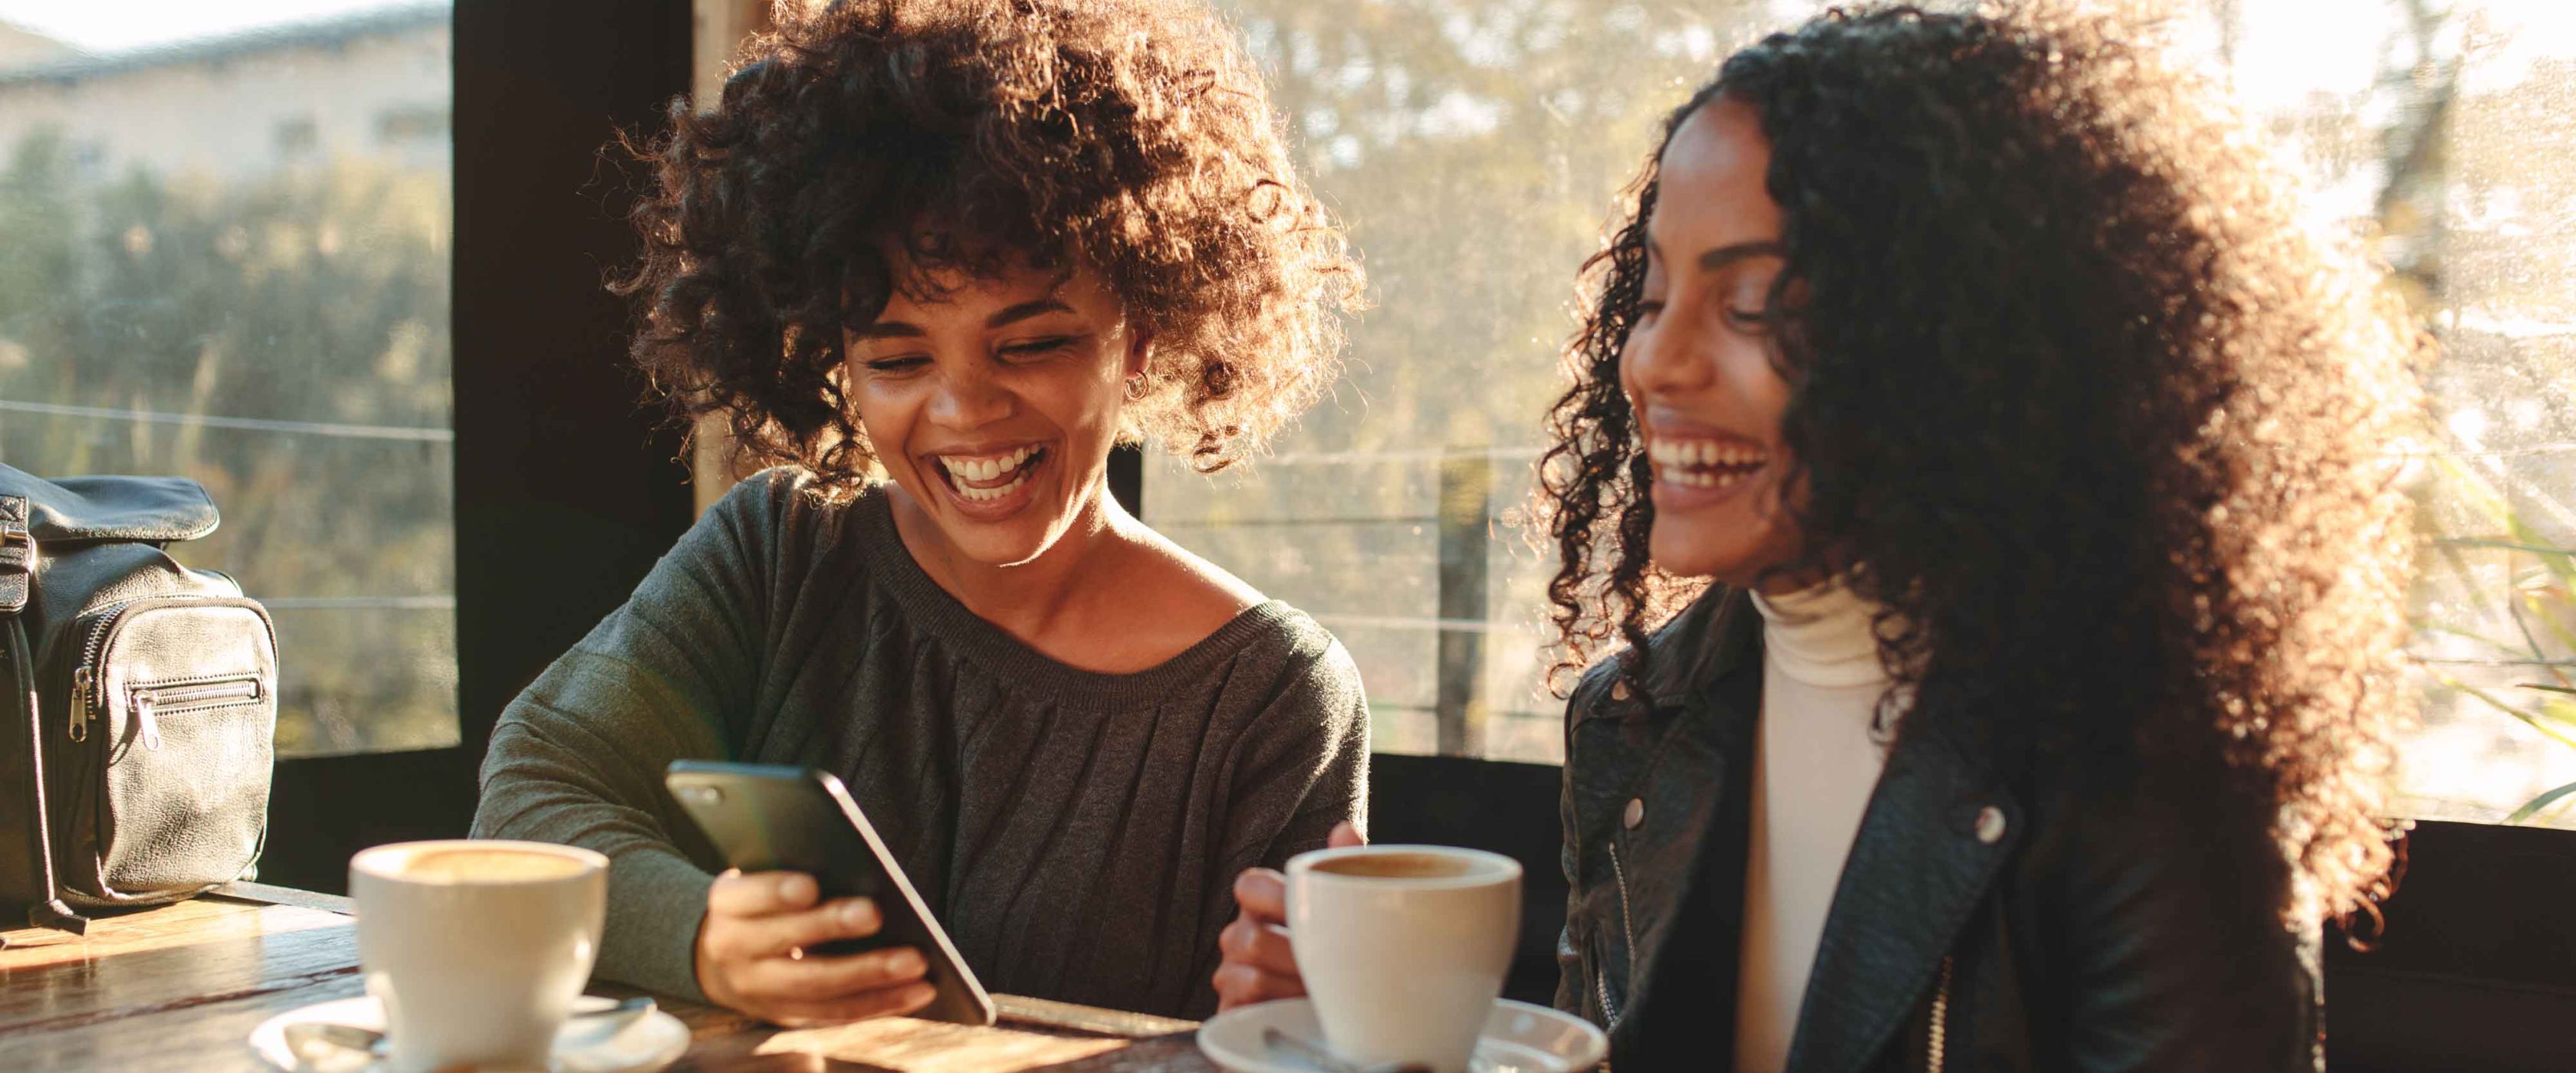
(989, 478)
(1704, 462)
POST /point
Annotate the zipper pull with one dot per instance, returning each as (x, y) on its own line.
(143, 715)
(80, 704)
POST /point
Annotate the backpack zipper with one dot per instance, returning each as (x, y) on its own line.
(80, 703)
(85, 673)
(85, 683)
(1937, 1045)
(186, 696)
(212, 693)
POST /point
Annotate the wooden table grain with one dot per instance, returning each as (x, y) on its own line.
(181, 987)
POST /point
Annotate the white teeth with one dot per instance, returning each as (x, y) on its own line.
(1702, 463)
(1690, 479)
(987, 495)
(1701, 454)
(985, 469)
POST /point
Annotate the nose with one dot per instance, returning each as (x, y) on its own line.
(969, 399)
(1663, 356)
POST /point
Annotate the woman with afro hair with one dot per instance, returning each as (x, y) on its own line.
(1975, 490)
(933, 259)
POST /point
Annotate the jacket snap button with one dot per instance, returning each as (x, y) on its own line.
(1636, 813)
(1990, 825)
(1619, 691)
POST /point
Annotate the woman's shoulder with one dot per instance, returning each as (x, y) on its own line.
(1712, 635)
(1301, 641)
(786, 495)
(1226, 614)
(1309, 669)
(789, 515)
(1189, 600)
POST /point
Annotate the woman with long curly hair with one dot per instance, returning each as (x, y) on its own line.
(2017, 465)
(934, 260)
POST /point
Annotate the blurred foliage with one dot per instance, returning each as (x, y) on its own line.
(1476, 147)
(316, 296)
(2474, 213)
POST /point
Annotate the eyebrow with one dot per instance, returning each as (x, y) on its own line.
(886, 329)
(1712, 260)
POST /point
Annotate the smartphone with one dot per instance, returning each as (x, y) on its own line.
(769, 817)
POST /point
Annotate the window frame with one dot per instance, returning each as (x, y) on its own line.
(566, 484)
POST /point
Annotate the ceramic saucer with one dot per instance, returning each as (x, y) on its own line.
(1518, 1038)
(644, 1045)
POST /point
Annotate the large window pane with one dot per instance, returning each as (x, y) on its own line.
(1477, 147)
(226, 257)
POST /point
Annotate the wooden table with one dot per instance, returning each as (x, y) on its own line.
(181, 987)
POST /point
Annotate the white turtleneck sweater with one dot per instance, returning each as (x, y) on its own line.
(1816, 761)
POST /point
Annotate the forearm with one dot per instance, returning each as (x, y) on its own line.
(562, 784)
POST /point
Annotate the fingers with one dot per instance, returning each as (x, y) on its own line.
(779, 934)
(1262, 893)
(1344, 834)
(893, 1002)
(761, 893)
(1243, 985)
(830, 978)
(1262, 946)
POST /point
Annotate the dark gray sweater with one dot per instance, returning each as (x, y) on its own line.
(1077, 833)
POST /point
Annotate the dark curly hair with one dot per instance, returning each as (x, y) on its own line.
(1131, 135)
(2104, 427)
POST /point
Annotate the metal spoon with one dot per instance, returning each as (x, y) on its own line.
(312, 1041)
(1327, 1061)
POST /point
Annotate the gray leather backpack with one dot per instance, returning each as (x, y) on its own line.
(136, 737)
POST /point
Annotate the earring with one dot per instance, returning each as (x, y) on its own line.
(1136, 387)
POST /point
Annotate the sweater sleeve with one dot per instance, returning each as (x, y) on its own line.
(577, 759)
(1303, 768)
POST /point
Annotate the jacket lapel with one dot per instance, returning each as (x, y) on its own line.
(1690, 890)
(1926, 851)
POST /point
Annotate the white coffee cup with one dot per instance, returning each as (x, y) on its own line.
(1403, 948)
(476, 948)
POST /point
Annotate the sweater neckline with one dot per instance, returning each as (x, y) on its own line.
(942, 615)
(1822, 636)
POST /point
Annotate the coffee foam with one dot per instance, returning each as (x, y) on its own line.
(478, 865)
(1398, 866)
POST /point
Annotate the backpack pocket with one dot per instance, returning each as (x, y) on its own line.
(172, 720)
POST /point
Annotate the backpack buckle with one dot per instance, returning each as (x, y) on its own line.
(17, 555)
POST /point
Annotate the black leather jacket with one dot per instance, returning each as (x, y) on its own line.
(1982, 923)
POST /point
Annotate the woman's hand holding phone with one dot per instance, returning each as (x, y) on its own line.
(752, 955)
(1258, 966)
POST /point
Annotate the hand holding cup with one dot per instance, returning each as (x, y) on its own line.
(1258, 964)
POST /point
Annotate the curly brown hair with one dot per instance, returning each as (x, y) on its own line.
(2107, 430)
(972, 136)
